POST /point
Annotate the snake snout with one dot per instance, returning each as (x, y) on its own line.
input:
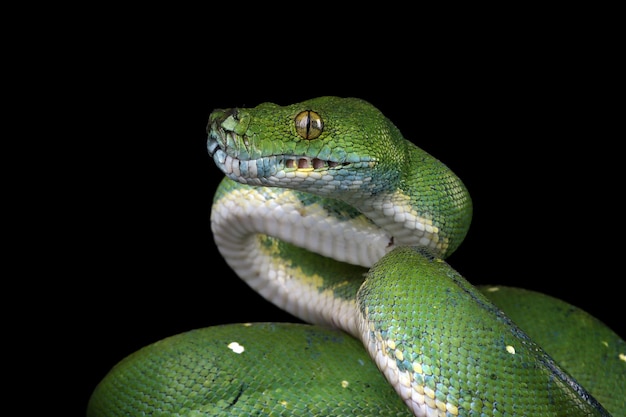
(218, 128)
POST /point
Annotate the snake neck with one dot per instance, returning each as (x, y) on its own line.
(307, 256)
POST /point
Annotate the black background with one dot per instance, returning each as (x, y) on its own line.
(524, 130)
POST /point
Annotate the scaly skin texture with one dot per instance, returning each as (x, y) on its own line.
(327, 211)
(592, 352)
(201, 373)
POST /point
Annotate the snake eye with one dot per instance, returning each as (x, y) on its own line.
(309, 124)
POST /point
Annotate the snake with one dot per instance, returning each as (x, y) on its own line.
(330, 213)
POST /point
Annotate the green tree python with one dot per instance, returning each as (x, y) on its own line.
(330, 213)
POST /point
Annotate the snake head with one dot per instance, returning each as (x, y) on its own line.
(320, 144)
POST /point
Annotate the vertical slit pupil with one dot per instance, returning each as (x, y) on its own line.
(308, 123)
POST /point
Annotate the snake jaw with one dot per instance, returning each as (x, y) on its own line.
(268, 170)
(231, 160)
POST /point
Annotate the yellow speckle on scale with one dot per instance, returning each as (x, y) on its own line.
(344, 384)
(305, 169)
(510, 349)
(398, 354)
(429, 392)
(283, 403)
(605, 344)
(417, 367)
(493, 289)
(391, 344)
(236, 347)
(452, 409)
(622, 357)
(441, 406)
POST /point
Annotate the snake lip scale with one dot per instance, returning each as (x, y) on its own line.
(247, 169)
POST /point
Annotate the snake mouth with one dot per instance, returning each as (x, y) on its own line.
(270, 166)
(305, 163)
(258, 168)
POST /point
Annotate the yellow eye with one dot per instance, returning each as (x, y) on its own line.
(309, 124)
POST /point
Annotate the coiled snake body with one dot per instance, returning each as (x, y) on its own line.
(328, 212)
